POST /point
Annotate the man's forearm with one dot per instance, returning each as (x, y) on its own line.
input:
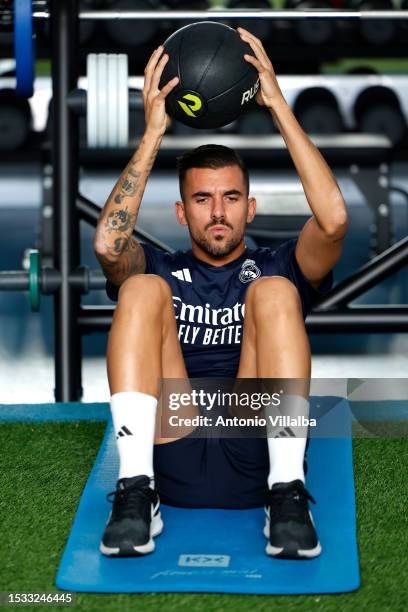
(319, 184)
(118, 217)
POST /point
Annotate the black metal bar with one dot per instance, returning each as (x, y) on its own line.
(14, 280)
(77, 101)
(374, 185)
(84, 280)
(64, 30)
(352, 320)
(369, 275)
(363, 149)
(90, 213)
(97, 280)
(377, 319)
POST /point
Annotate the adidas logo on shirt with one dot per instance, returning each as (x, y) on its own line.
(124, 431)
(183, 275)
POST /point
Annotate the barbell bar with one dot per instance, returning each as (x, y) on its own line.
(44, 280)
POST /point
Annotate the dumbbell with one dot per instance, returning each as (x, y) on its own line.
(258, 27)
(318, 113)
(132, 33)
(183, 5)
(187, 5)
(86, 26)
(378, 112)
(316, 31)
(256, 121)
(375, 31)
(6, 23)
(15, 120)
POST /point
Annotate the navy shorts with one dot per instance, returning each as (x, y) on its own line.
(201, 472)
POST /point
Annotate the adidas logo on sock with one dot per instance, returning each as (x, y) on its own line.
(123, 431)
(286, 433)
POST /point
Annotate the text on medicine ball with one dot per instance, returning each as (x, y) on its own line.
(249, 93)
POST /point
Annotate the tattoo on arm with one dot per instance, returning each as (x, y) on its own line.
(120, 245)
(129, 186)
(121, 254)
(132, 260)
(120, 221)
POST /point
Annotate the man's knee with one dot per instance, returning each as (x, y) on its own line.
(149, 289)
(272, 292)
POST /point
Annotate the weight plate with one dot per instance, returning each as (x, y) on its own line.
(24, 48)
(102, 99)
(113, 100)
(92, 101)
(123, 98)
(34, 281)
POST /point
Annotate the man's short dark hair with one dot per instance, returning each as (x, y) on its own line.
(210, 156)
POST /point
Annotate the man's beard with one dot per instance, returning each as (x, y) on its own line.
(222, 249)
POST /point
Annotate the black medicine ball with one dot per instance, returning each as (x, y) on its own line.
(216, 83)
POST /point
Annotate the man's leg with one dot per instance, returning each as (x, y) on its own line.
(276, 346)
(143, 347)
(275, 342)
(143, 344)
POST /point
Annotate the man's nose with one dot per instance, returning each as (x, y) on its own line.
(218, 209)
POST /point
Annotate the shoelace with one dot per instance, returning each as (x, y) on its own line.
(129, 501)
(288, 504)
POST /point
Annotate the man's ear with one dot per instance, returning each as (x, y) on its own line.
(180, 214)
(251, 210)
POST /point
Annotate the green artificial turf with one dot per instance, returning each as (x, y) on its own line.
(44, 467)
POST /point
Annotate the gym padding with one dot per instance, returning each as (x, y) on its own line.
(24, 48)
(223, 551)
(65, 412)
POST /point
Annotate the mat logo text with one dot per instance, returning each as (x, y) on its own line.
(204, 560)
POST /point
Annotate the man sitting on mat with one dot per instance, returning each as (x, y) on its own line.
(182, 315)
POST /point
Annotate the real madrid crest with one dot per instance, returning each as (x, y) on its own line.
(249, 271)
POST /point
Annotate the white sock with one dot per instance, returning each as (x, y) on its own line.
(286, 453)
(134, 420)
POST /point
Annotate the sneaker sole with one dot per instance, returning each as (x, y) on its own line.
(290, 552)
(128, 550)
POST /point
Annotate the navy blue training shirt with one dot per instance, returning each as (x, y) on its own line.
(209, 300)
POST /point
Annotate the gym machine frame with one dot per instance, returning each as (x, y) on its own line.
(66, 279)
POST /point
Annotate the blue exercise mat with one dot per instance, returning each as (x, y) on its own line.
(221, 551)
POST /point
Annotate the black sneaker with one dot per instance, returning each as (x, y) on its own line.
(289, 524)
(134, 521)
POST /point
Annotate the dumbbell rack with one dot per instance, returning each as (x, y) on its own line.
(67, 279)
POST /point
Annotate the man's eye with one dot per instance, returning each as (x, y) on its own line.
(232, 198)
(201, 200)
